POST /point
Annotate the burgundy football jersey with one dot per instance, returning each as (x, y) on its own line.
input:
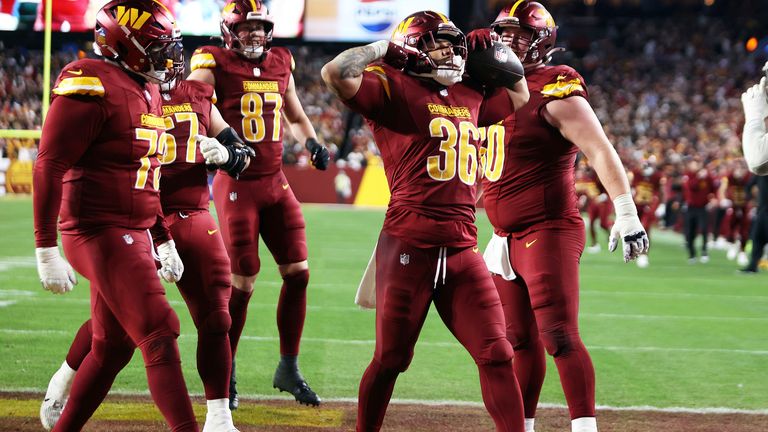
(530, 173)
(647, 188)
(698, 190)
(184, 180)
(114, 176)
(737, 190)
(251, 100)
(589, 185)
(428, 137)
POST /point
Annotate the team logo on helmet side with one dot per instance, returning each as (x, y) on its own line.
(142, 36)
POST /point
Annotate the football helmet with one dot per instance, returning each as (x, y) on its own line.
(142, 36)
(534, 28)
(421, 35)
(240, 11)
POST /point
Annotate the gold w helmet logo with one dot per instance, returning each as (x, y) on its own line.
(132, 17)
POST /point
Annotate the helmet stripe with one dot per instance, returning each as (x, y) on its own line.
(445, 19)
(514, 7)
(253, 5)
(164, 8)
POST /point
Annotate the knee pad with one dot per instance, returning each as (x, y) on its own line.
(499, 351)
(159, 346)
(112, 354)
(297, 280)
(557, 342)
(396, 362)
(216, 322)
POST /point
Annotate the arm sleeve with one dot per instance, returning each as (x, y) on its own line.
(61, 146)
(755, 146)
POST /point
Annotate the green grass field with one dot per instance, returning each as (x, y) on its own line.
(671, 335)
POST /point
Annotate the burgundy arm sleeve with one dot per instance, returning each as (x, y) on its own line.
(72, 124)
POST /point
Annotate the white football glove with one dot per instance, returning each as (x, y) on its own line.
(171, 266)
(212, 150)
(627, 226)
(755, 102)
(55, 273)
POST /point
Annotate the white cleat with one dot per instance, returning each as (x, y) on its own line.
(642, 261)
(732, 252)
(219, 417)
(594, 249)
(742, 259)
(56, 396)
(704, 259)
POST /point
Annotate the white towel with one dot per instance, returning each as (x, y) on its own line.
(366, 291)
(496, 258)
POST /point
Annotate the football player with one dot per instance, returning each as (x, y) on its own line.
(190, 118)
(699, 195)
(755, 146)
(647, 188)
(732, 194)
(257, 89)
(425, 122)
(98, 172)
(532, 198)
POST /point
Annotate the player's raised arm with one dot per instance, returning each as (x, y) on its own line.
(755, 138)
(344, 74)
(506, 73)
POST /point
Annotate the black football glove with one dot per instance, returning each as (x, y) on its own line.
(395, 56)
(318, 154)
(239, 153)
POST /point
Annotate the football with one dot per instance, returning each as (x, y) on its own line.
(495, 66)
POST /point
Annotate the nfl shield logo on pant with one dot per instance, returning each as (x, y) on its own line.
(405, 259)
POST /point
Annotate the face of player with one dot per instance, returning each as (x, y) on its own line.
(252, 36)
(518, 39)
(442, 54)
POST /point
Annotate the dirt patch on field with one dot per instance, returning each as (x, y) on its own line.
(18, 413)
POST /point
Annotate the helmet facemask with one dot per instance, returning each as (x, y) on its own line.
(441, 55)
(166, 61)
(524, 41)
(250, 46)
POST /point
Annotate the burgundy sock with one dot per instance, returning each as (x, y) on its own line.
(81, 346)
(504, 406)
(291, 311)
(376, 388)
(238, 310)
(530, 368)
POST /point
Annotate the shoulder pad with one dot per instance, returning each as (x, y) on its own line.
(79, 85)
(563, 82)
(381, 73)
(203, 58)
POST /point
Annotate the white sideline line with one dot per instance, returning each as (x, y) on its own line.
(4, 303)
(447, 402)
(371, 342)
(669, 294)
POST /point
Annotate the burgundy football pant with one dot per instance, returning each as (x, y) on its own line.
(264, 207)
(205, 288)
(468, 304)
(541, 307)
(128, 310)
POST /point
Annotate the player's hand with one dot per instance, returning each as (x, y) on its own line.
(627, 226)
(395, 56)
(171, 266)
(755, 102)
(212, 150)
(55, 273)
(479, 39)
(318, 154)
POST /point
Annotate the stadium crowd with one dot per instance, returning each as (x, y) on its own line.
(661, 100)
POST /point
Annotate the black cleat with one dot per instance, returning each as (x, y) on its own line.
(234, 402)
(747, 271)
(289, 380)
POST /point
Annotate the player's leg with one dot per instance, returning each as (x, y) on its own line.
(238, 214)
(551, 270)
(523, 334)
(470, 307)
(404, 281)
(206, 290)
(594, 214)
(127, 282)
(61, 382)
(282, 229)
(690, 233)
(759, 240)
(703, 223)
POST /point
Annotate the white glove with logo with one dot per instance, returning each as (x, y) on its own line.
(212, 150)
(627, 226)
(755, 102)
(171, 266)
(55, 273)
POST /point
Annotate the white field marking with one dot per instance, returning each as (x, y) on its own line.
(4, 303)
(672, 294)
(446, 402)
(8, 263)
(353, 308)
(451, 344)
